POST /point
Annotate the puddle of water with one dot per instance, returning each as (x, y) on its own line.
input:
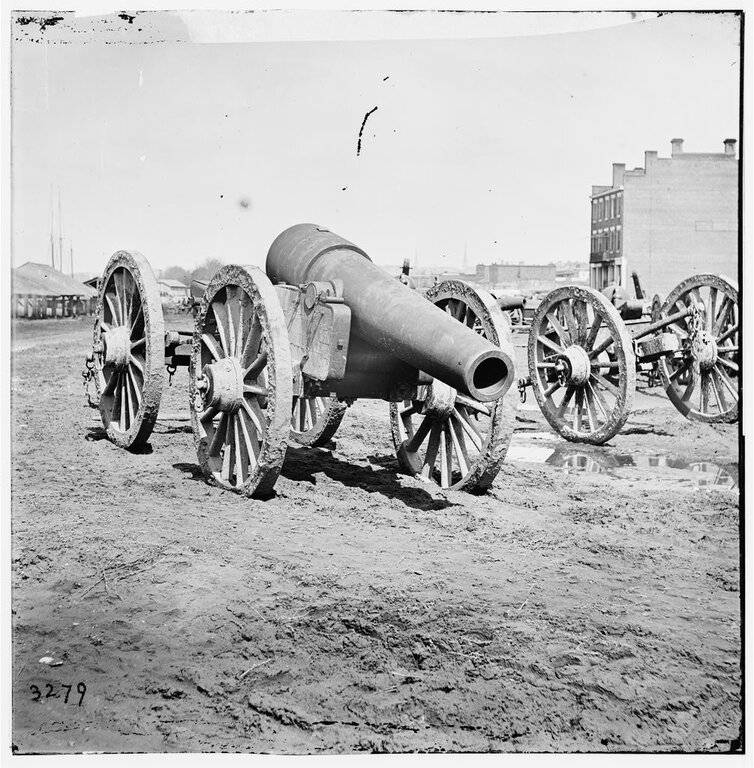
(529, 447)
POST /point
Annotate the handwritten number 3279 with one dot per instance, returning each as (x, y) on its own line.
(37, 694)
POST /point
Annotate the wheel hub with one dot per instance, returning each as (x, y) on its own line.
(576, 363)
(704, 350)
(116, 346)
(223, 385)
(441, 400)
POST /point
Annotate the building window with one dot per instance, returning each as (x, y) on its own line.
(618, 235)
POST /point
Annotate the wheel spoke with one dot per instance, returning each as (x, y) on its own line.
(722, 315)
(570, 389)
(252, 445)
(430, 457)
(415, 441)
(211, 344)
(120, 295)
(686, 396)
(256, 366)
(728, 364)
(545, 342)
(704, 392)
(111, 384)
(460, 449)
(254, 412)
(594, 329)
(599, 400)
(444, 474)
(697, 298)
(719, 390)
(725, 336)
(230, 305)
(711, 308)
(252, 343)
(129, 288)
(137, 364)
(557, 327)
(208, 414)
(138, 343)
(239, 458)
(221, 320)
(254, 389)
(228, 451)
(468, 428)
(552, 389)
(570, 321)
(123, 395)
(577, 409)
(112, 303)
(134, 384)
(129, 399)
(473, 404)
(219, 437)
(602, 346)
(726, 381)
(680, 369)
(139, 316)
(608, 385)
(580, 313)
(591, 408)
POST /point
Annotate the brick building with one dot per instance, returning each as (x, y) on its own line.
(515, 275)
(674, 217)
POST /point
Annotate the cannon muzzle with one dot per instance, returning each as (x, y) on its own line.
(389, 315)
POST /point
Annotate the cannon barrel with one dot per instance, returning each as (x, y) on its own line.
(389, 315)
(510, 302)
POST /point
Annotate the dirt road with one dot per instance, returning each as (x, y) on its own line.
(590, 601)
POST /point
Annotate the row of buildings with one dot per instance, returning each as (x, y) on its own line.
(674, 217)
(40, 291)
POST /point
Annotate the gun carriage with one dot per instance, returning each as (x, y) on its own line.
(585, 349)
(278, 356)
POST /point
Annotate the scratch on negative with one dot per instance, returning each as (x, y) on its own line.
(361, 130)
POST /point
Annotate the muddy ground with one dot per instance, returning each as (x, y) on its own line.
(590, 601)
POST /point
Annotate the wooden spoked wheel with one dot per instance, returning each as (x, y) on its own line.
(129, 350)
(581, 364)
(315, 420)
(443, 436)
(702, 380)
(241, 382)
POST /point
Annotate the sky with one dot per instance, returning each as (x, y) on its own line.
(480, 150)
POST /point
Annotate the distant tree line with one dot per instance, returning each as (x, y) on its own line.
(203, 272)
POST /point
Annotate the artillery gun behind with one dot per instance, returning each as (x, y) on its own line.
(585, 349)
(272, 363)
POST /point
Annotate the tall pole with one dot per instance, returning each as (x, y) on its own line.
(71, 247)
(52, 227)
(60, 230)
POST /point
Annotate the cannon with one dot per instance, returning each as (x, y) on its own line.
(278, 355)
(583, 360)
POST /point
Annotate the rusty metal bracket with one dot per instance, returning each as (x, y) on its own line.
(523, 383)
(88, 376)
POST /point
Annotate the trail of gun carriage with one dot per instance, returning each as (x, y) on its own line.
(332, 510)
